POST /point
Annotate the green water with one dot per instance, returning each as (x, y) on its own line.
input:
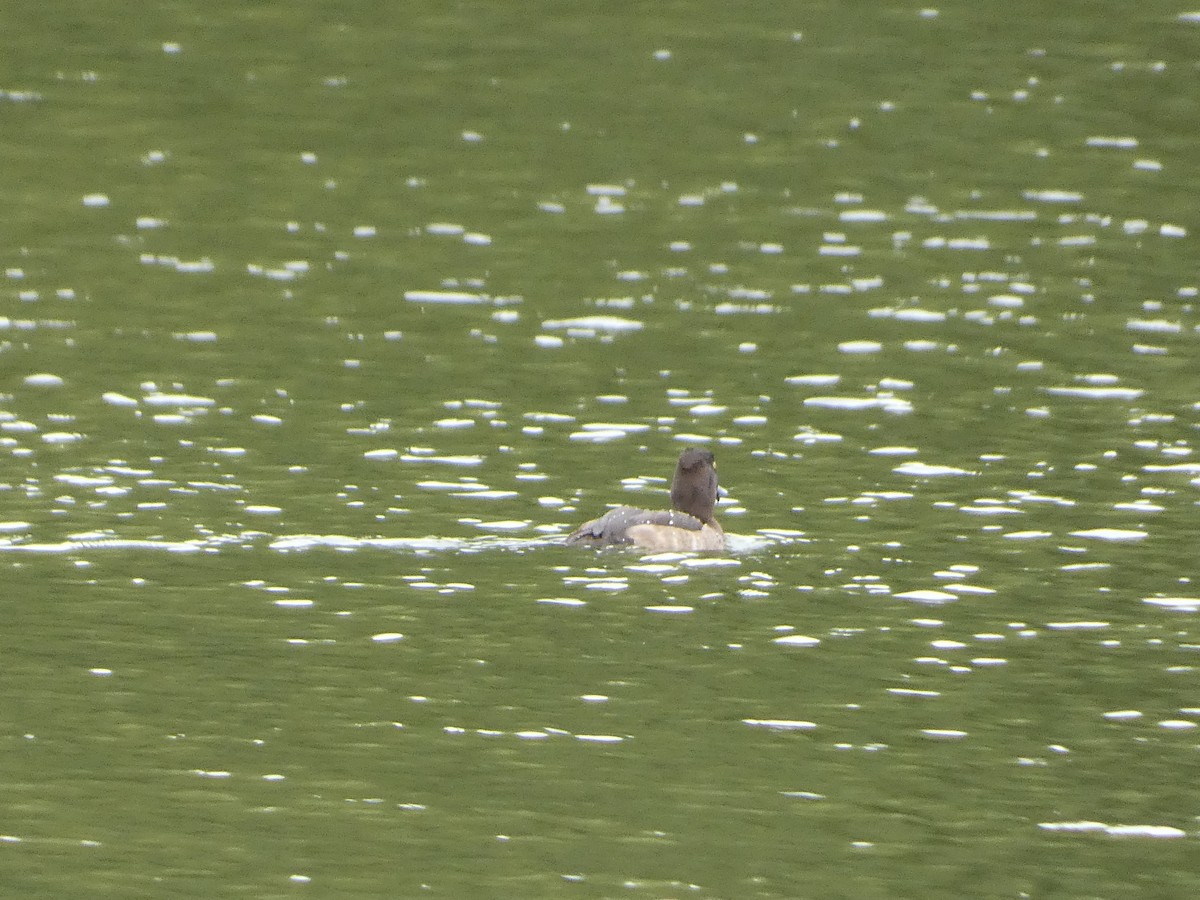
(321, 325)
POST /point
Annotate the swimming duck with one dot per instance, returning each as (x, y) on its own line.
(688, 525)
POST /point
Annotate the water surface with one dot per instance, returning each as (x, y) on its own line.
(322, 326)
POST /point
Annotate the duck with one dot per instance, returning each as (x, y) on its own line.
(688, 525)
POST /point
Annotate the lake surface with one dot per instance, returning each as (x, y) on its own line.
(321, 326)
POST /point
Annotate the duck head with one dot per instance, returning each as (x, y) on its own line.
(694, 487)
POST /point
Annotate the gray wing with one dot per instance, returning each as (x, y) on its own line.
(613, 526)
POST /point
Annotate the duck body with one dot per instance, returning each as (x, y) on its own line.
(688, 525)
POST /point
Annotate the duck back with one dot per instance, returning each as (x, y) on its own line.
(615, 526)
